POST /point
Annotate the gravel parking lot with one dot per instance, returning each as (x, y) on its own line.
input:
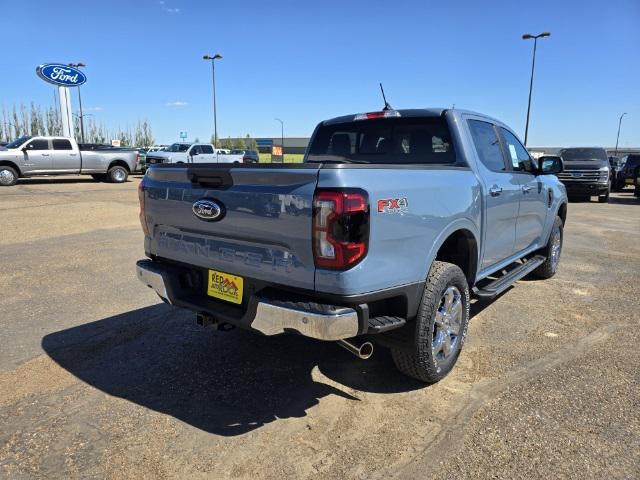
(99, 379)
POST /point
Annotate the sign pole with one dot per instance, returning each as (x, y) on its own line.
(65, 112)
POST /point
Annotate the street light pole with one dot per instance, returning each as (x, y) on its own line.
(213, 59)
(78, 65)
(618, 137)
(281, 136)
(528, 36)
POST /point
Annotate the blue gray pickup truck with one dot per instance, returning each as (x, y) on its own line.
(381, 237)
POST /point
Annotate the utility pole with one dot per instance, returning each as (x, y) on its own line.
(213, 59)
(618, 137)
(528, 36)
(78, 65)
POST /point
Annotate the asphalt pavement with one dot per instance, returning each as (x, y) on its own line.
(99, 379)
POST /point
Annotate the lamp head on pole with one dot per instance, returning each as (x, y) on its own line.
(217, 56)
(528, 36)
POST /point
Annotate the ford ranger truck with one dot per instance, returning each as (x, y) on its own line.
(381, 236)
(30, 156)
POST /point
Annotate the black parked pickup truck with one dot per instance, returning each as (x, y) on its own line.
(586, 173)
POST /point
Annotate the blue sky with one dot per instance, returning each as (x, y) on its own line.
(307, 61)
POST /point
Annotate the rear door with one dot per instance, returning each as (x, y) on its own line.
(501, 193)
(264, 232)
(63, 156)
(37, 156)
(533, 197)
(207, 154)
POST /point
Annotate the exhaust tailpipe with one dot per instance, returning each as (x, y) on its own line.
(364, 351)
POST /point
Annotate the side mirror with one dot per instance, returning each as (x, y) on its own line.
(24, 149)
(550, 165)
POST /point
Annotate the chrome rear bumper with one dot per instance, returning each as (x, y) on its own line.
(273, 318)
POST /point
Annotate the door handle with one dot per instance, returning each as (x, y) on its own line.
(73, 154)
(495, 191)
(45, 154)
(526, 188)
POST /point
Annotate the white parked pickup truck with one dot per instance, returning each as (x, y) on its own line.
(192, 153)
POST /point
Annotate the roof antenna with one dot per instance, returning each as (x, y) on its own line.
(386, 104)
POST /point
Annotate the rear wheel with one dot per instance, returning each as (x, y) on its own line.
(8, 176)
(440, 327)
(117, 174)
(552, 251)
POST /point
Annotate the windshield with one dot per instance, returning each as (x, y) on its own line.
(386, 141)
(583, 154)
(178, 147)
(18, 141)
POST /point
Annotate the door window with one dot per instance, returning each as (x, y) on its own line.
(518, 156)
(487, 145)
(61, 144)
(208, 149)
(38, 144)
(195, 150)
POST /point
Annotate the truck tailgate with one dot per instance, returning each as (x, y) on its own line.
(264, 233)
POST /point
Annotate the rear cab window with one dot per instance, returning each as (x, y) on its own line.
(396, 140)
(61, 144)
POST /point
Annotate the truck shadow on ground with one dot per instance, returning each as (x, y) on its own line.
(223, 383)
(52, 180)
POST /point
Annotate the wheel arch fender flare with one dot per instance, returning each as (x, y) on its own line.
(119, 162)
(462, 225)
(9, 163)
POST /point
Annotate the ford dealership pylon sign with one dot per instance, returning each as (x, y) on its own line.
(61, 75)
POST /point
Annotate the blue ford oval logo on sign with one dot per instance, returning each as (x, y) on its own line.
(208, 210)
(60, 74)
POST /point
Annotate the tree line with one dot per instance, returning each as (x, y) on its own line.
(35, 120)
(246, 143)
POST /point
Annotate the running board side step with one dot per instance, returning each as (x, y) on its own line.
(499, 285)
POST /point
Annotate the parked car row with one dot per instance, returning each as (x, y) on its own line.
(185, 153)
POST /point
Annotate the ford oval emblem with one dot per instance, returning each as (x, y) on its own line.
(208, 210)
(60, 74)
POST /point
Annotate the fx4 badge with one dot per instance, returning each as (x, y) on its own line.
(393, 205)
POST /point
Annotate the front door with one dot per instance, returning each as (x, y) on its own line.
(63, 157)
(501, 194)
(534, 197)
(36, 156)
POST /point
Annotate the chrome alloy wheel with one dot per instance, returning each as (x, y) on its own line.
(446, 328)
(556, 247)
(7, 177)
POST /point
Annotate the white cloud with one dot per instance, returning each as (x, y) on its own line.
(177, 103)
(164, 7)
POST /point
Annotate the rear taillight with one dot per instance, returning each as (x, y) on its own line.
(340, 228)
(143, 220)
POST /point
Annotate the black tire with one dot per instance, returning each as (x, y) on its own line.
(8, 176)
(117, 174)
(604, 198)
(418, 360)
(550, 266)
(99, 177)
